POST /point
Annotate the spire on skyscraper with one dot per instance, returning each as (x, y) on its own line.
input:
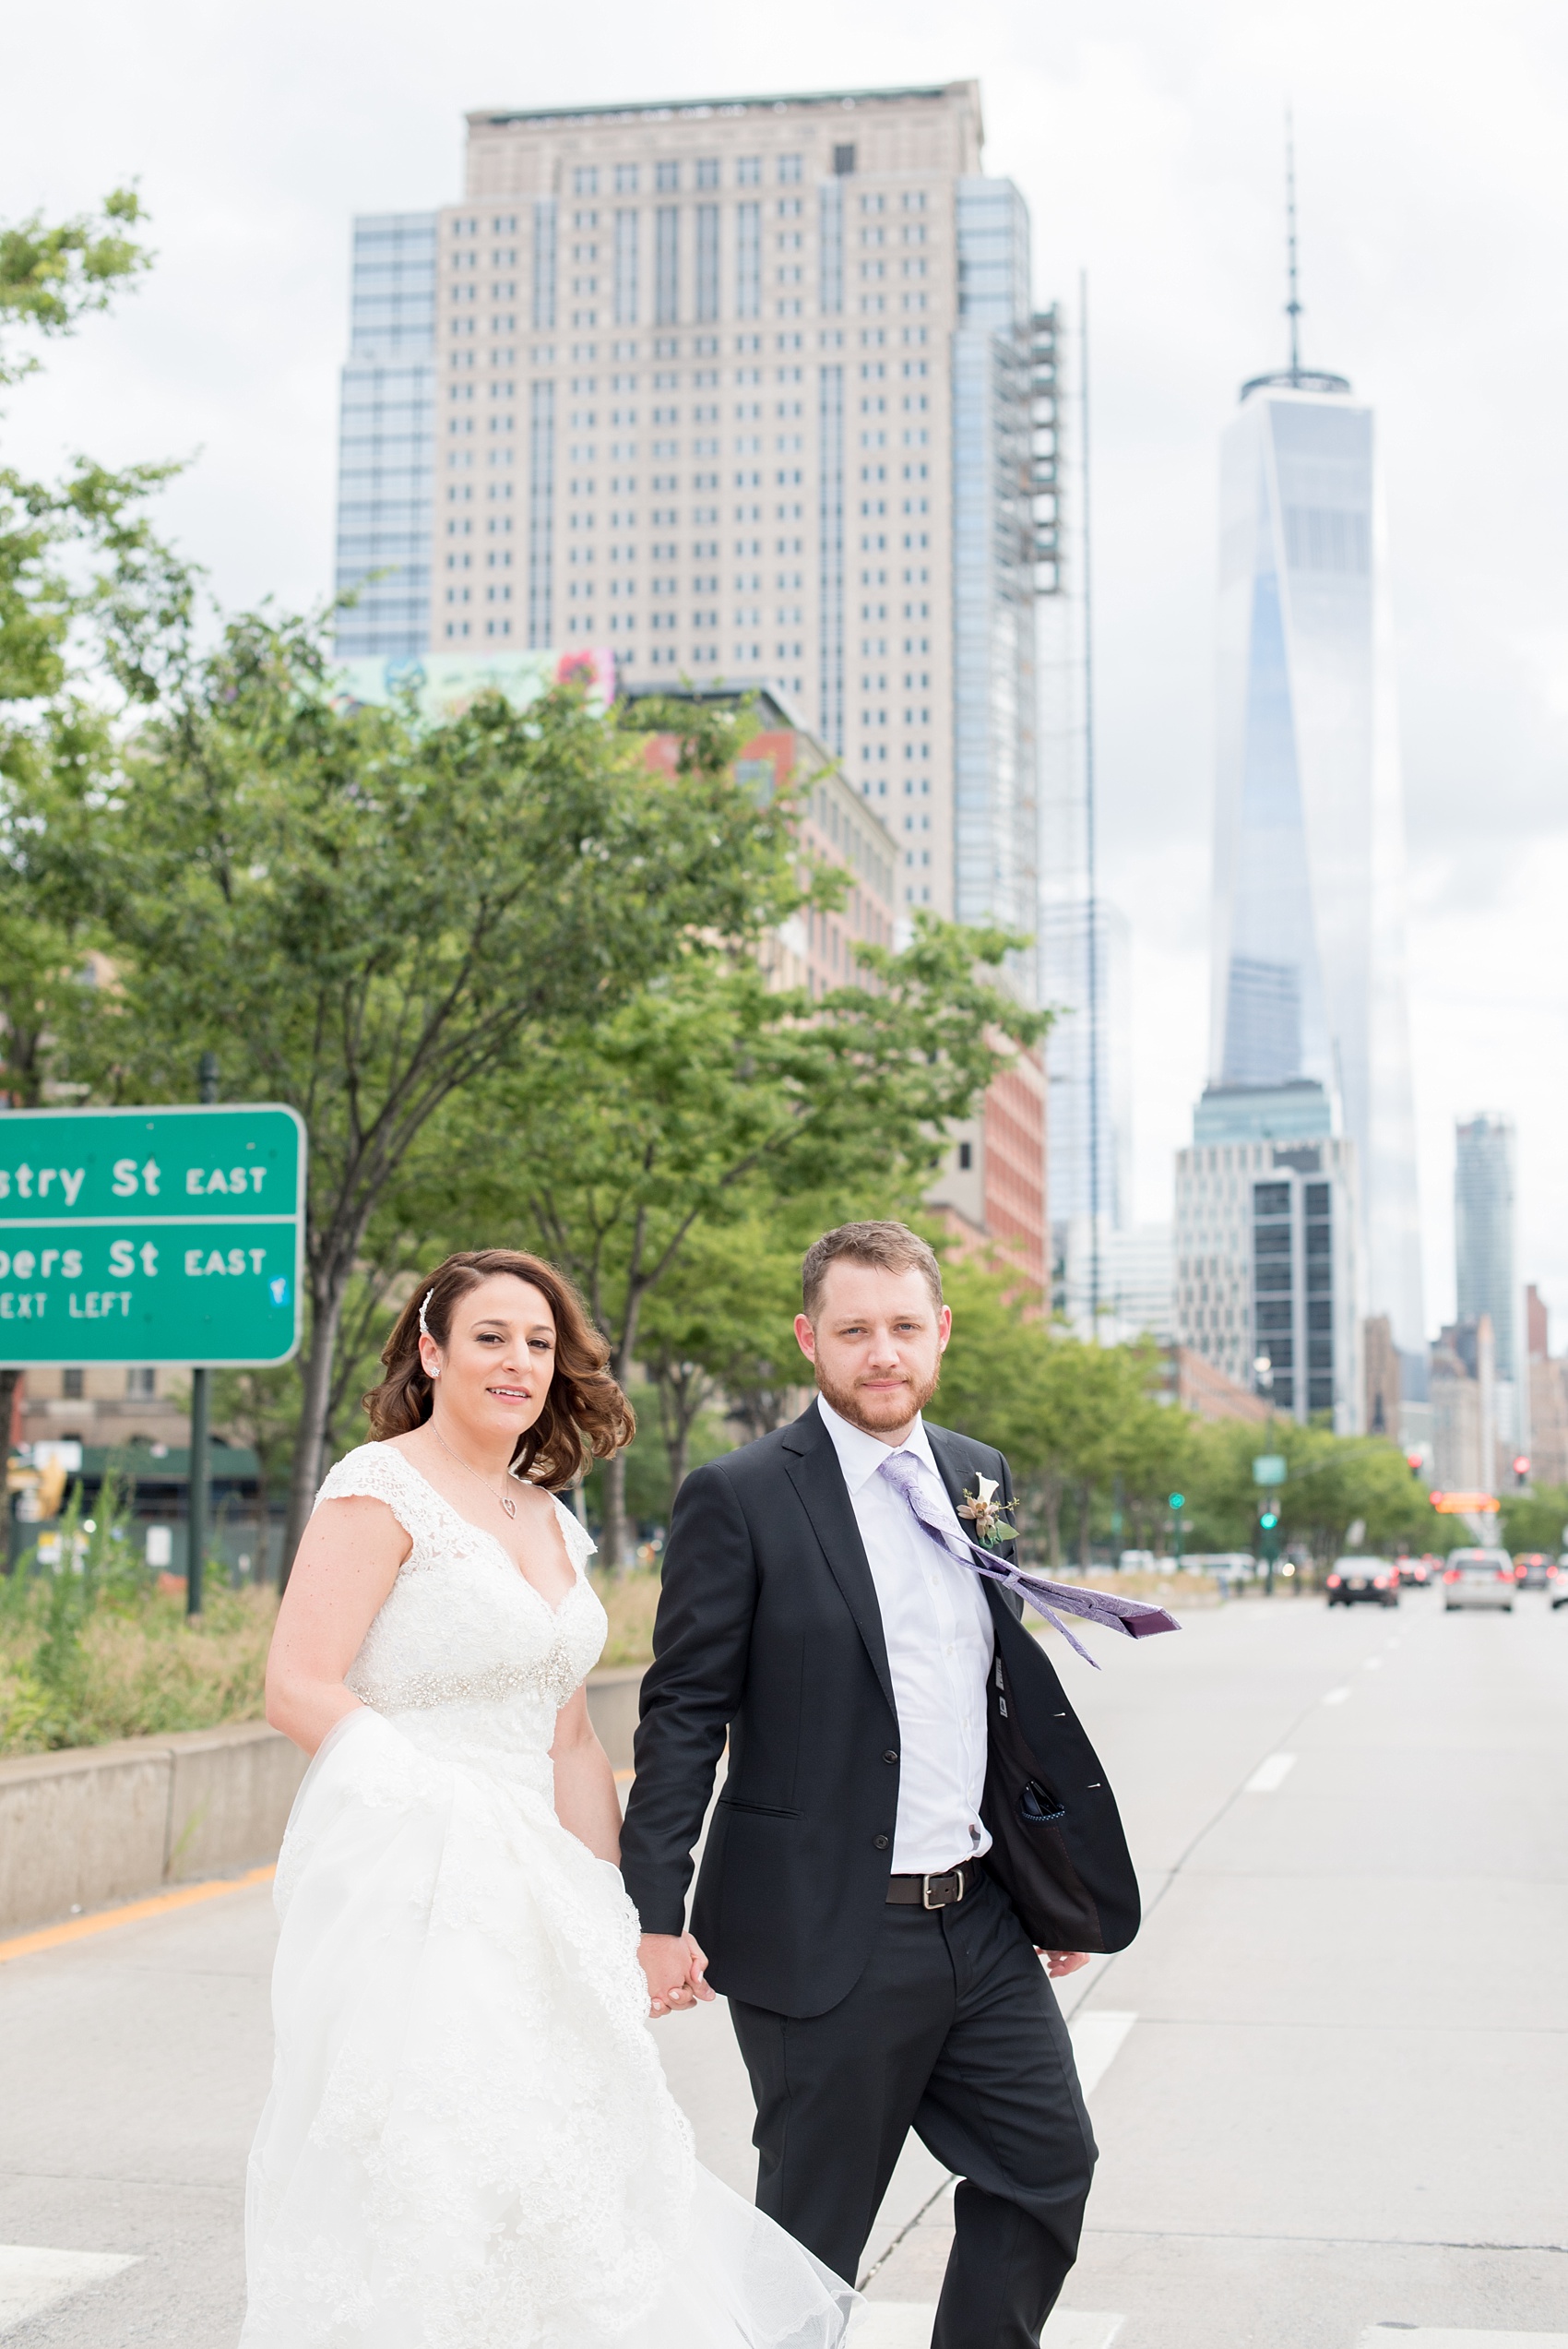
(1295, 378)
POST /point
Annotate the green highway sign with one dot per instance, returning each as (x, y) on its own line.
(151, 1234)
(1269, 1468)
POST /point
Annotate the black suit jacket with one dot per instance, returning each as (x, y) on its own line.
(769, 1633)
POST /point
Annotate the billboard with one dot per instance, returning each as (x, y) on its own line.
(445, 684)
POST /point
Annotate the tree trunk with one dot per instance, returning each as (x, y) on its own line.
(1053, 1521)
(314, 1414)
(682, 1395)
(1086, 1517)
(613, 1535)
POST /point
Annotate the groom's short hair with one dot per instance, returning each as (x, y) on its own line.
(891, 1247)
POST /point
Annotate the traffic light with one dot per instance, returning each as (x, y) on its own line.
(1521, 1467)
(1269, 1520)
(1178, 1500)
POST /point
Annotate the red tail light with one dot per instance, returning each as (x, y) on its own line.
(1452, 1575)
(1333, 1582)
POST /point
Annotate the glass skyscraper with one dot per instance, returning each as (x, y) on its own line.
(386, 437)
(1484, 1235)
(1308, 969)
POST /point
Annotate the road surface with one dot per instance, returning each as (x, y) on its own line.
(1330, 2078)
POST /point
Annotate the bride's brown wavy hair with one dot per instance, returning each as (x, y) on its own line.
(586, 1416)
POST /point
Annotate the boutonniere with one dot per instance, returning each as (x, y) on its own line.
(990, 1517)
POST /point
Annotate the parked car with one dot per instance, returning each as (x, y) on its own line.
(1373, 1579)
(1533, 1569)
(1414, 1572)
(1478, 1579)
(1136, 1562)
(1559, 1584)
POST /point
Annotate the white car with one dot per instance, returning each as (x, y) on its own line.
(1136, 1562)
(1478, 1579)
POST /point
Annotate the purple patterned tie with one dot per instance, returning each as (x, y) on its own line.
(1134, 1616)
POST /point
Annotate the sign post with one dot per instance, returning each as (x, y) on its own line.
(1269, 1470)
(198, 1482)
(154, 1235)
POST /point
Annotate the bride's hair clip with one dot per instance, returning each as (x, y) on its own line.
(425, 1326)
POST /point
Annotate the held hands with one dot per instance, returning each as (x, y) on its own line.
(674, 1969)
(1057, 1962)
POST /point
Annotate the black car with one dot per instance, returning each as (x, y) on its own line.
(1534, 1570)
(1373, 1579)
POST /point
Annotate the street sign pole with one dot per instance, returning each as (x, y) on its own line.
(199, 1489)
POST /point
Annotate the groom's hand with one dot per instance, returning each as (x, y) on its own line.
(674, 1969)
(1061, 1961)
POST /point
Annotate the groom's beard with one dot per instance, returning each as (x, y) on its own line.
(879, 1414)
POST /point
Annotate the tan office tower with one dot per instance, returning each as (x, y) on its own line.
(741, 389)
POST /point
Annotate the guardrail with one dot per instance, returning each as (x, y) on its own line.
(103, 1823)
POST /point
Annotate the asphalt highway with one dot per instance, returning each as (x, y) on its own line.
(1330, 2079)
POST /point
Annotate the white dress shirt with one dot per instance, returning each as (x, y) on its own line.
(938, 1630)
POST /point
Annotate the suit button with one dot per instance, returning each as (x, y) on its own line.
(890, 1756)
(881, 1843)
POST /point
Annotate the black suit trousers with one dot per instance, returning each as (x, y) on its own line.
(953, 2031)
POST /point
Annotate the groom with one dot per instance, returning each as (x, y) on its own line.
(878, 1974)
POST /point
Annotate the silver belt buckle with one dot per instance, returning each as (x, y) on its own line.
(943, 1877)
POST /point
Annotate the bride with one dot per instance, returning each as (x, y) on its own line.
(469, 2143)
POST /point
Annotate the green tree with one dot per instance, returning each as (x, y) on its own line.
(1536, 1520)
(1332, 1482)
(365, 916)
(710, 1097)
(70, 552)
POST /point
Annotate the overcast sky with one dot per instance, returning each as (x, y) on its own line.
(1433, 180)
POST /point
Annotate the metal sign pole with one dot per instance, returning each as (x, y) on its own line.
(201, 1460)
(198, 1488)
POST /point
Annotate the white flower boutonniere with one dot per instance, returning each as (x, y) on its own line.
(991, 1517)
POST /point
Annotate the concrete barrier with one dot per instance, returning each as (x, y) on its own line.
(103, 1823)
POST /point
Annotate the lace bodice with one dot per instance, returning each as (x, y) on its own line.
(461, 1625)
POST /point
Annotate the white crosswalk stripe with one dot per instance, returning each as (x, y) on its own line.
(33, 2279)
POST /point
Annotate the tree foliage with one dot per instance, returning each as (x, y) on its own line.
(366, 917)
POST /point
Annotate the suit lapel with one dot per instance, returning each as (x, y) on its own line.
(958, 1472)
(812, 1467)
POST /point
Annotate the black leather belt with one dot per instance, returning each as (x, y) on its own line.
(933, 1891)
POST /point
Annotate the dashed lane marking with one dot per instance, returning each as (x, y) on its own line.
(1097, 2042)
(1336, 1696)
(78, 1928)
(1270, 1775)
(33, 2280)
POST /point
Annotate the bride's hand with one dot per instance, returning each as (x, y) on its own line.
(673, 1967)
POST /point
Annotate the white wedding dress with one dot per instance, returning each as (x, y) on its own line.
(470, 2141)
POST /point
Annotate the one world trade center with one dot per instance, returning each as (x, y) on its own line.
(1308, 896)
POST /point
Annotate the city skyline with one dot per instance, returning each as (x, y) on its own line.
(1155, 162)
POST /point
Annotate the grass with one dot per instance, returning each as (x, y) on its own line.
(83, 1668)
(630, 1602)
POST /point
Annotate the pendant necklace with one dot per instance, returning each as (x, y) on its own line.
(505, 1500)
